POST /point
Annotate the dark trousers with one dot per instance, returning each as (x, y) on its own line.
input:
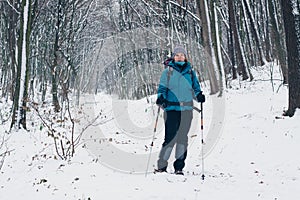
(177, 126)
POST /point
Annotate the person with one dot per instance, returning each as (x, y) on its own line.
(177, 88)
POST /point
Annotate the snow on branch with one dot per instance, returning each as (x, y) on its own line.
(12, 7)
(189, 12)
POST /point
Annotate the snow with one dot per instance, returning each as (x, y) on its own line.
(253, 156)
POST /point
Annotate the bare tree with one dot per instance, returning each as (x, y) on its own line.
(276, 37)
(23, 67)
(291, 17)
(207, 43)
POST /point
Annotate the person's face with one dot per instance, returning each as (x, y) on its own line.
(179, 57)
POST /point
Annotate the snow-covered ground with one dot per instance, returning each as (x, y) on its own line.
(250, 151)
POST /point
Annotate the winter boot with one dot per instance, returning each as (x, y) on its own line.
(160, 170)
(179, 172)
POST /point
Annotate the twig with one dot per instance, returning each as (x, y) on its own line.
(50, 129)
(12, 7)
(56, 149)
(6, 152)
(76, 141)
(62, 149)
(3, 155)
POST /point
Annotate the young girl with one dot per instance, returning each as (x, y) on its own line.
(177, 88)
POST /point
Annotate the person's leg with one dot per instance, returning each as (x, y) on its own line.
(182, 140)
(172, 119)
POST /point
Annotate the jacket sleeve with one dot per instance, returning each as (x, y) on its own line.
(162, 88)
(196, 85)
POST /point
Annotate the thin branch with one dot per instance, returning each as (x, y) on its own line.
(139, 16)
(225, 21)
(76, 141)
(189, 12)
(5, 153)
(12, 7)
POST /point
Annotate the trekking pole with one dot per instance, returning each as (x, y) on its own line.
(202, 140)
(152, 143)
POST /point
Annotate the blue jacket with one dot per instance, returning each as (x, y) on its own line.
(181, 88)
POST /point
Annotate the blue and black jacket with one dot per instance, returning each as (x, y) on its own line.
(179, 86)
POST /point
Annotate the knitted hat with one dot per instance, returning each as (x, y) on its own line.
(179, 49)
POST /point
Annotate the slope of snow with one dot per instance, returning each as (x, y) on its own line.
(254, 156)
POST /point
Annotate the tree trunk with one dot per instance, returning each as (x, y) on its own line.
(238, 46)
(279, 49)
(231, 39)
(207, 43)
(267, 34)
(255, 33)
(23, 71)
(54, 80)
(27, 65)
(217, 48)
(12, 48)
(291, 18)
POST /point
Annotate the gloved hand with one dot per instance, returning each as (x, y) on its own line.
(161, 101)
(201, 97)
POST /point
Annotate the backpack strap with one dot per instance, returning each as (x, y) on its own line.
(170, 72)
(192, 75)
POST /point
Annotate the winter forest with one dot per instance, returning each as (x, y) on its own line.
(54, 53)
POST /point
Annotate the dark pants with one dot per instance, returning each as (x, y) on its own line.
(177, 126)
